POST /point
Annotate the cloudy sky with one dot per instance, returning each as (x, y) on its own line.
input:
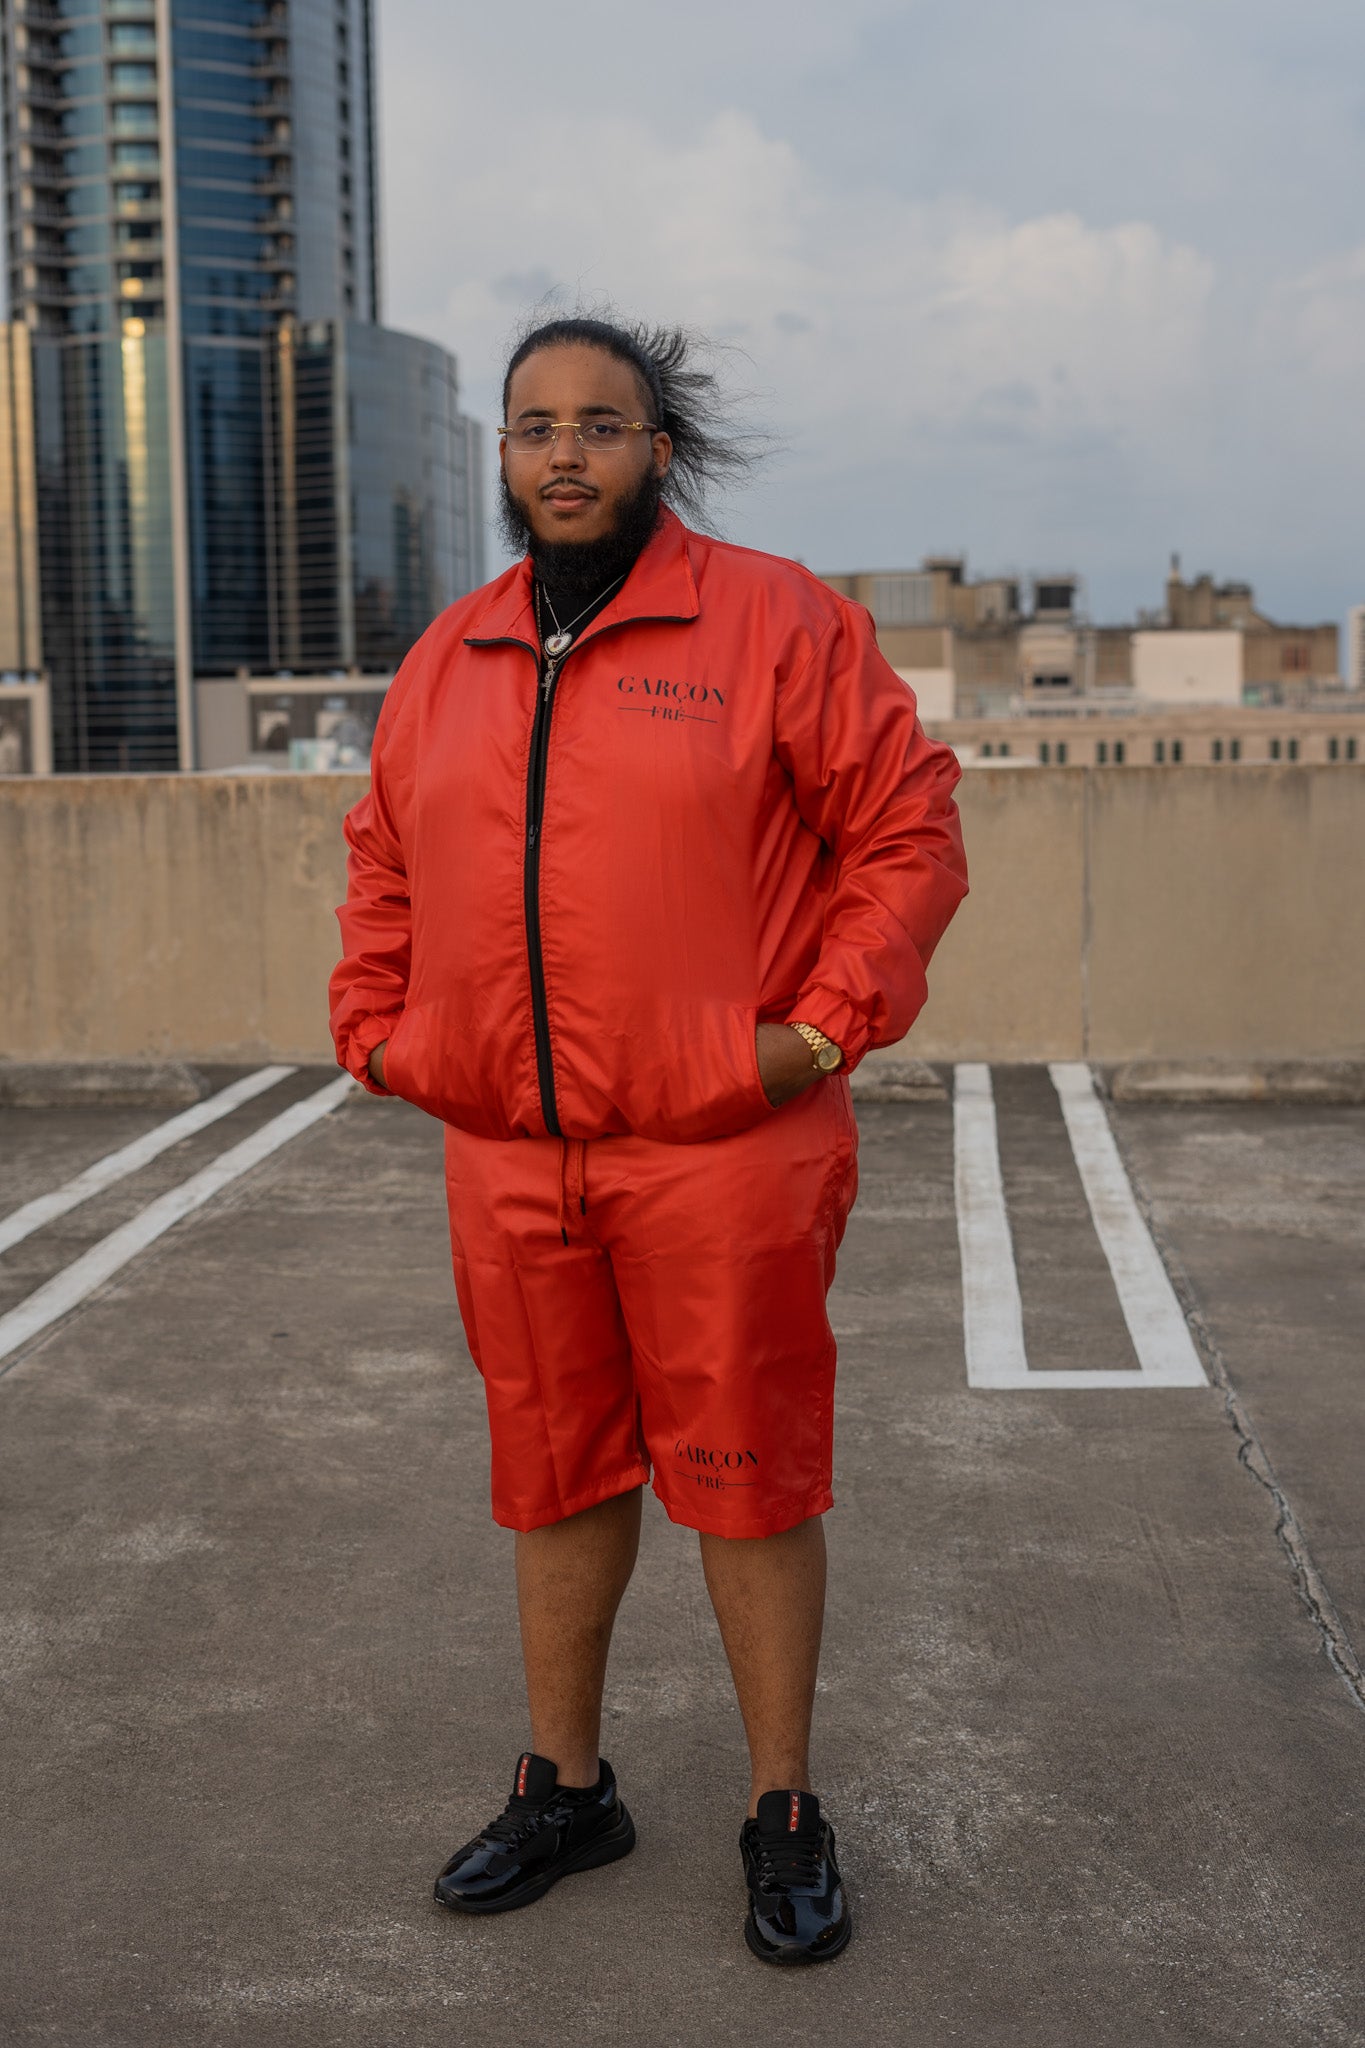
(1065, 284)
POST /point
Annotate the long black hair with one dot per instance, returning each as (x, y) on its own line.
(709, 452)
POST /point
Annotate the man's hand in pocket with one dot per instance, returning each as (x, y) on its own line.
(785, 1065)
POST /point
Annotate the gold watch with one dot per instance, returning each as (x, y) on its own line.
(826, 1052)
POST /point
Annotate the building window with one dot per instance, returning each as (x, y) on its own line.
(1118, 751)
(1274, 750)
(1293, 750)
(1177, 750)
(1351, 748)
(1333, 746)
(1217, 750)
(905, 600)
(1061, 753)
(1003, 747)
(1101, 752)
(1158, 750)
(985, 750)
(1045, 752)
(1234, 750)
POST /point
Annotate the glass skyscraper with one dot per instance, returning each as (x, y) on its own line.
(215, 459)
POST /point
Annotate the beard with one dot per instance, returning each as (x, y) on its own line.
(579, 569)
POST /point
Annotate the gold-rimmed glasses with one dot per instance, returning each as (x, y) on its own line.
(538, 437)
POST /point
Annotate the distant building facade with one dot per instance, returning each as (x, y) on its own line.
(1148, 736)
(1172, 666)
(215, 458)
(1355, 647)
(981, 653)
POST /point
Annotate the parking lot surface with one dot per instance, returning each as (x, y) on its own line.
(1091, 1727)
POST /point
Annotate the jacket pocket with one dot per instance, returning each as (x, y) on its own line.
(708, 1086)
(421, 1072)
(397, 1078)
(419, 1066)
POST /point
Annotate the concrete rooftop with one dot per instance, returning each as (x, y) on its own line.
(1091, 1725)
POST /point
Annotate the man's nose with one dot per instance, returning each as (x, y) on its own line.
(566, 453)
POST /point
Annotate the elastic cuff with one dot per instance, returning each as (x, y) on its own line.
(836, 1017)
(361, 1042)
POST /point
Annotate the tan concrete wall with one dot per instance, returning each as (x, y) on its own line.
(1228, 912)
(144, 917)
(1190, 914)
(1005, 983)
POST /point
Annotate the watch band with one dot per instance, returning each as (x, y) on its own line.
(825, 1053)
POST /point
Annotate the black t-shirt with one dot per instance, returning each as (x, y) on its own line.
(566, 605)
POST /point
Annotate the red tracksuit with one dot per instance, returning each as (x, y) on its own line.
(570, 903)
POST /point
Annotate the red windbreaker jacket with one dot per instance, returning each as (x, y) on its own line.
(571, 899)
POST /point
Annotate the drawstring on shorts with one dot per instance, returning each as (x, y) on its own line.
(577, 1148)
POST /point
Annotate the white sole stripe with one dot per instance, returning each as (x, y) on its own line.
(116, 1166)
(67, 1289)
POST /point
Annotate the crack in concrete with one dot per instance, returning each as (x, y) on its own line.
(1252, 1455)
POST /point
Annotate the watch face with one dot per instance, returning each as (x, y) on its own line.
(828, 1057)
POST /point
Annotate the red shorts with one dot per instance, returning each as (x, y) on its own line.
(683, 1323)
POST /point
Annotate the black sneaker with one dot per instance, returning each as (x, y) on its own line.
(797, 1909)
(545, 1831)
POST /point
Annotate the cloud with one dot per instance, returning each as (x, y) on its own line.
(1321, 319)
(868, 315)
(940, 370)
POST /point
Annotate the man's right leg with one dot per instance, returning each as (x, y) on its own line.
(565, 1813)
(541, 1312)
(570, 1579)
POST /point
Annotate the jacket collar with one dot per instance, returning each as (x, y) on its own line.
(659, 586)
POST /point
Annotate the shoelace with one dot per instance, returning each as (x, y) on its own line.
(518, 1821)
(785, 1860)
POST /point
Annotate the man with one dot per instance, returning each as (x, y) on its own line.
(655, 850)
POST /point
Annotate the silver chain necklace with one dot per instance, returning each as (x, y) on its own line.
(556, 643)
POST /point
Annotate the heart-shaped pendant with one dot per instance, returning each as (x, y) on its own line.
(556, 644)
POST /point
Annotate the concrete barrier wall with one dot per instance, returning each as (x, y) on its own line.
(1115, 914)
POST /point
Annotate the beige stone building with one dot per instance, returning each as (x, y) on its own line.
(1355, 647)
(1273, 656)
(1012, 668)
(1103, 736)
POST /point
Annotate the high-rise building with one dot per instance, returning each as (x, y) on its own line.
(1355, 647)
(214, 454)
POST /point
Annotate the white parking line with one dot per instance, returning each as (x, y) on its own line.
(22, 1222)
(1156, 1322)
(80, 1279)
(992, 1315)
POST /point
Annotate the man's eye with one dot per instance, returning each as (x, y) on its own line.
(540, 431)
(605, 431)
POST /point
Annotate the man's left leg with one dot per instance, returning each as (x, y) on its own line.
(769, 1597)
(723, 1254)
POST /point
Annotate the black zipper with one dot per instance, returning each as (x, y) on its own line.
(548, 676)
(535, 814)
